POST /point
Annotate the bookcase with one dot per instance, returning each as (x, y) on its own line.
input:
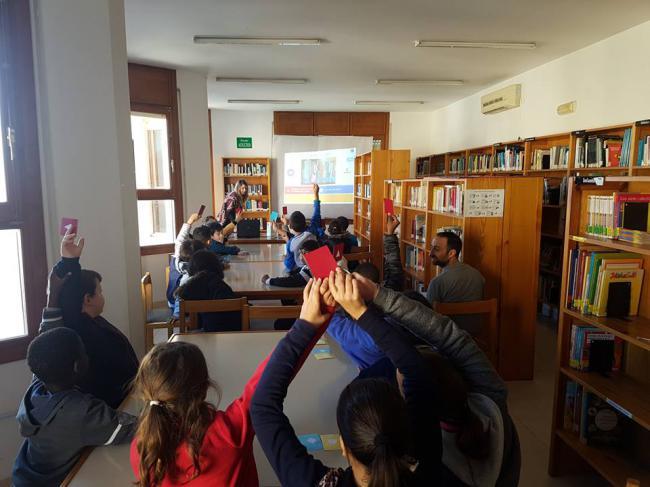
(504, 249)
(256, 171)
(625, 393)
(370, 171)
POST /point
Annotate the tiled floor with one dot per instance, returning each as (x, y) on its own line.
(530, 404)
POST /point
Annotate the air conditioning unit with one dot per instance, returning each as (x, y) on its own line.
(500, 100)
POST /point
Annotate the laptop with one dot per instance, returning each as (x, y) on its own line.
(248, 229)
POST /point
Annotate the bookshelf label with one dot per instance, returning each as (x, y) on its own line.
(484, 203)
(244, 142)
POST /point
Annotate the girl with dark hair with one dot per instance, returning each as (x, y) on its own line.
(382, 435)
(234, 203)
(182, 438)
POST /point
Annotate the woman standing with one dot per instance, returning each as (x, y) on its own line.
(234, 203)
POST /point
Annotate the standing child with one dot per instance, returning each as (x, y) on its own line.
(56, 419)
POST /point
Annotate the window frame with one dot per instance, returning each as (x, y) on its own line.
(24, 207)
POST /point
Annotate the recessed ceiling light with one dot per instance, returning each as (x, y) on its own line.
(388, 102)
(423, 82)
(267, 102)
(282, 81)
(477, 45)
(258, 41)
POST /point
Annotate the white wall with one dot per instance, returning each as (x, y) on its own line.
(412, 130)
(609, 81)
(87, 164)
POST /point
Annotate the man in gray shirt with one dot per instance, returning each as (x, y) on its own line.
(458, 282)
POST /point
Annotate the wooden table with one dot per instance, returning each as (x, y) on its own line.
(234, 240)
(310, 404)
(260, 252)
(246, 281)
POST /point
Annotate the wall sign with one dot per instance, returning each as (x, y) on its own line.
(244, 142)
(484, 203)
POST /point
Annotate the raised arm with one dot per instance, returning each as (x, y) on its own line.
(68, 268)
(184, 233)
(315, 224)
(103, 425)
(393, 272)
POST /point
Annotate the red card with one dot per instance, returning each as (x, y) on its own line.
(68, 223)
(201, 210)
(320, 262)
(338, 251)
(284, 210)
(388, 206)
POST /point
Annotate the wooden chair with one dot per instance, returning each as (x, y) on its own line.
(273, 312)
(194, 307)
(154, 318)
(488, 308)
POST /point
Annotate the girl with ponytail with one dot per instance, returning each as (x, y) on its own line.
(381, 434)
(182, 438)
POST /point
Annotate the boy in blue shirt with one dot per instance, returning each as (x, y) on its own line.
(217, 242)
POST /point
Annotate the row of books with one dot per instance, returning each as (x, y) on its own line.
(585, 356)
(418, 225)
(625, 216)
(555, 193)
(643, 154)
(414, 258)
(364, 190)
(246, 169)
(256, 205)
(422, 167)
(418, 196)
(597, 277)
(557, 157)
(479, 163)
(448, 199)
(596, 421)
(253, 189)
(510, 159)
(603, 150)
(457, 165)
(600, 216)
(395, 192)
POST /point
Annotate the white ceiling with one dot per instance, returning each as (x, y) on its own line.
(367, 40)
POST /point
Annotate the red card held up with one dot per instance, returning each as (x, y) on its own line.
(284, 210)
(321, 262)
(71, 224)
(338, 251)
(388, 206)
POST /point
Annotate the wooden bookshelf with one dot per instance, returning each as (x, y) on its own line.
(370, 171)
(497, 247)
(628, 389)
(259, 184)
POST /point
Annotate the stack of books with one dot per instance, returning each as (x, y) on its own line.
(592, 271)
(632, 217)
(247, 169)
(396, 193)
(510, 159)
(367, 190)
(600, 216)
(457, 165)
(557, 157)
(448, 199)
(479, 163)
(418, 225)
(253, 189)
(643, 154)
(595, 150)
(418, 196)
(582, 337)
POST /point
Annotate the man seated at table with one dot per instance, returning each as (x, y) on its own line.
(458, 282)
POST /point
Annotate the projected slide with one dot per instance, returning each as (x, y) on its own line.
(332, 170)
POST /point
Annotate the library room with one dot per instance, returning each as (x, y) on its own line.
(258, 243)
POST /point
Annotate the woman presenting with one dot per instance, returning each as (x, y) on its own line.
(234, 203)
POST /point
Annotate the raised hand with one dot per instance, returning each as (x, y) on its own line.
(345, 291)
(366, 287)
(311, 310)
(316, 189)
(391, 224)
(326, 294)
(194, 217)
(69, 247)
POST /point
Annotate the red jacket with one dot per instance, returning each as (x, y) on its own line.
(227, 452)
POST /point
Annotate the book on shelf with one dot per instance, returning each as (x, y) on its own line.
(593, 270)
(448, 199)
(457, 165)
(395, 193)
(511, 158)
(479, 163)
(596, 151)
(367, 190)
(244, 169)
(414, 258)
(418, 196)
(418, 226)
(583, 356)
(253, 189)
(359, 193)
(256, 205)
(554, 193)
(557, 157)
(643, 152)
(600, 216)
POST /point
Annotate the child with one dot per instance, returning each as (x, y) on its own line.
(393, 272)
(58, 420)
(217, 244)
(178, 268)
(299, 233)
(337, 233)
(206, 282)
(299, 276)
(487, 393)
(374, 421)
(202, 234)
(182, 438)
(113, 362)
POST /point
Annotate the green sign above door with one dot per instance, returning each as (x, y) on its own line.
(244, 142)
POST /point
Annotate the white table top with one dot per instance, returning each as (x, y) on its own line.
(259, 252)
(245, 279)
(310, 404)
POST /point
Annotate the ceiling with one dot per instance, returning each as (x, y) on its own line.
(366, 40)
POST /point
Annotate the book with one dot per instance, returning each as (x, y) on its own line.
(610, 276)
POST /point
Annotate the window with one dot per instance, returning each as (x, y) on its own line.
(154, 131)
(22, 287)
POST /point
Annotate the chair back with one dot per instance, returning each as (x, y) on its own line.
(146, 290)
(357, 256)
(167, 271)
(273, 312)
(189, 310)
(486, 307)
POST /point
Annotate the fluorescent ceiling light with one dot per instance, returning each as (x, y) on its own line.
(388, 102)
(282, 81)
(477, 45)
(268, 102)
(423, 82)
(257, 41)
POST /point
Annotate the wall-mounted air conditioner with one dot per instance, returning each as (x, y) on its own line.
(500, 100)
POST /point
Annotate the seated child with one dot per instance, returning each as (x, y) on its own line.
(299, 233)
(206, 282)
(299, 276)
(217, 244)
(113, 362)
(203, 234)
(182, 439)
(337, 232)
(381, 434)
(178, 268)
(56, 419)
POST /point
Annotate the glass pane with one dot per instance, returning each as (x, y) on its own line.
(149, 134)
(12, 292)
(3, 140)
(156, 222)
